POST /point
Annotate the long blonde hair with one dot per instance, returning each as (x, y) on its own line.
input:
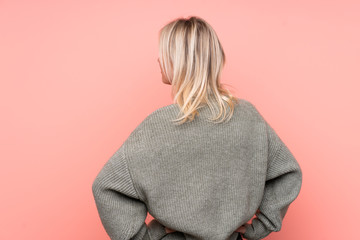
(192, 58)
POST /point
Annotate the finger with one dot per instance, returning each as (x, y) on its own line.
(241, 229)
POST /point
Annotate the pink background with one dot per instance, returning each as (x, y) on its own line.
(78, 76)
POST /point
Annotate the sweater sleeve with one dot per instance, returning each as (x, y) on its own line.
(120, 209)
(282, 186)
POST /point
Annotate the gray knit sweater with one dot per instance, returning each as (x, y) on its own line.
(201, 179)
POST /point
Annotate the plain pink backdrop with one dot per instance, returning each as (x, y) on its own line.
(78, 76)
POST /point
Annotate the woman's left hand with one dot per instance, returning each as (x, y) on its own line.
(168, 230)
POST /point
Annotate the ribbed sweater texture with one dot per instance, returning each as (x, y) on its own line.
(201, 179)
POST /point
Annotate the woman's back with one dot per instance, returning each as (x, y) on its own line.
(201, 179)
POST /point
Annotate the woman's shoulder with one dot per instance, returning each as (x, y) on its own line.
(251, 108)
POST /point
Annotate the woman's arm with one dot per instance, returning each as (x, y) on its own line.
(121, 211)
(282, 186)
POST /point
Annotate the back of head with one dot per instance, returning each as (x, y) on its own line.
(192, 58)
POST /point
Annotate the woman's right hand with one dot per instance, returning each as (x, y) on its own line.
(242, 228)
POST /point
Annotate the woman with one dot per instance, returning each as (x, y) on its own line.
(206, 173)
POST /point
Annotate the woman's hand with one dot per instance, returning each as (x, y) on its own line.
(168, 230)
(241, 229)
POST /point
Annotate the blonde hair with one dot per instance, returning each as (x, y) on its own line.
(192, 59)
